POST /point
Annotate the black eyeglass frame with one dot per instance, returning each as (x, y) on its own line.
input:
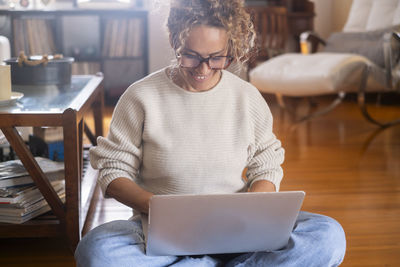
(206, 60)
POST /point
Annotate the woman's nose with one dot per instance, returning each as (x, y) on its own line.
(203, 68)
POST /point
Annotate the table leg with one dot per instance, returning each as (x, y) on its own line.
(72, 159)
(98, 111)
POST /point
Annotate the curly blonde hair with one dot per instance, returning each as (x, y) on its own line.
(229, 15)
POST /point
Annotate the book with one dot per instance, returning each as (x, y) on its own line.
(17, 219)
(121, 41)
(22, 196)
(49, 134)
(26, 210)
(31, 36)
(130, 35)
(19, 36)
(17, 194)
(138, 38)
(83, 67)
(22, 211)
(50, 38)
(114, 36)
(106, 39)
(13, 172)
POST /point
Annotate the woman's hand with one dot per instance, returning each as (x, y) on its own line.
(129, 193)
(262, 186)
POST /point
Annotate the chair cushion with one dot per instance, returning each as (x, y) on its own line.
(368, 44)
(307, 75)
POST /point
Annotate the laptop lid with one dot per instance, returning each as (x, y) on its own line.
(220, 223)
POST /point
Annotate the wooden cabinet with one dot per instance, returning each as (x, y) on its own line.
(300, 16)
(114, 42)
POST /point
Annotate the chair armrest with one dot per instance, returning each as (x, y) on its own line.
(396, 35)
(391, 53)
(309, 42)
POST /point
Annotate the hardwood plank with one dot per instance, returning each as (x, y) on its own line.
(350, 170)
(29, 252)
(348, 167)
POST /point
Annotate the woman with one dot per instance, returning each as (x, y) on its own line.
(193, 128)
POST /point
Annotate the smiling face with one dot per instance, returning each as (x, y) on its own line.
(203, 41)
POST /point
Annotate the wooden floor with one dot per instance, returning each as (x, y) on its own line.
(349, 169)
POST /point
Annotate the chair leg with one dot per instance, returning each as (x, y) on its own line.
(322, 111)
(319, 112)
(363, 105)
(281, 102)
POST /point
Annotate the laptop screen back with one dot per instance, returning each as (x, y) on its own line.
(226, 223)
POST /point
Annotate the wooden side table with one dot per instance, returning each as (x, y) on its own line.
(62, 106)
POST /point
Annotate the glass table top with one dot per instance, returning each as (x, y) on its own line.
(46, 98)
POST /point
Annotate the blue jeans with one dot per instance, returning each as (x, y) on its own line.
(316, 240)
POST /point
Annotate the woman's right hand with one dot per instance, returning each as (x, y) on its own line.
(129, 193)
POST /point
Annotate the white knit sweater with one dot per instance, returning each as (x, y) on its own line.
(172, 141)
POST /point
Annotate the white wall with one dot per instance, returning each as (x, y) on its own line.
(330, 16)
(341, 9)
(160, 52)
(323, 17)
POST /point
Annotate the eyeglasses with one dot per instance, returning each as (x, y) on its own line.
(213, 62)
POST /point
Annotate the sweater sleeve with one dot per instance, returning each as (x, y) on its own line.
(119, 155)
(265, 154)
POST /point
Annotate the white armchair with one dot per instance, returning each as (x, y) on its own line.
(364, 57)
(5, 52)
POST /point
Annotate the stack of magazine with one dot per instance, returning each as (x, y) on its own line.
(20, 198)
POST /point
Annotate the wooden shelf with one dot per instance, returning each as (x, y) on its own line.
(88, 35)
(75, 11)
(33, 228)
(47, 225)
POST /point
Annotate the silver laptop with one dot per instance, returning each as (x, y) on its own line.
(216, 224)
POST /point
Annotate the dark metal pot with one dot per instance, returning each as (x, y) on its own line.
(55, 71)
